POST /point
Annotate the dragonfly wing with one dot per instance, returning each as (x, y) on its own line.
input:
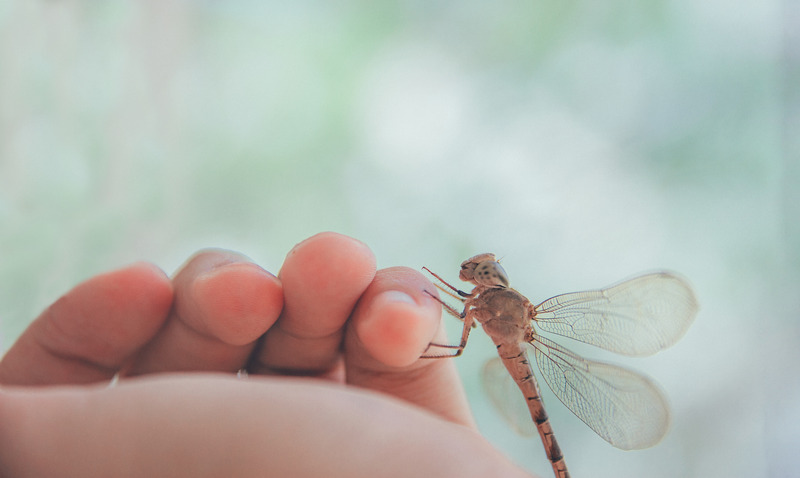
(637, 317)
(625, 408)
(506, 397)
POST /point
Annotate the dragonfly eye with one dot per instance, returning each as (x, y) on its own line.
(491, 273)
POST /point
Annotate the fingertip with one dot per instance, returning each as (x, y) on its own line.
(139, 295)
(93, 329)
(151, 284)
(320, 264)
(394, 320)
(239, 301)
(395, 330)
(387, 336)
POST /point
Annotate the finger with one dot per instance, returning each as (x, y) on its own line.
(206, 428)
(391, 327)
(90, 332)
(223, 304)
(322, 278)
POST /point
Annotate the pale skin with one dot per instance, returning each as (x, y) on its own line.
(365, 405)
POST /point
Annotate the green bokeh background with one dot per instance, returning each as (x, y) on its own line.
(582, 141)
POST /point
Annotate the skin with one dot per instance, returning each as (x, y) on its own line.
(335, 385)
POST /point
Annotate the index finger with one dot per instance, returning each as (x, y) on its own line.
(390, 328)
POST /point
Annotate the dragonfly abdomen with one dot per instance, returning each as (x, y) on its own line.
(516, 362)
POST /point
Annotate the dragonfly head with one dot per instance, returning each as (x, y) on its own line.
(484, 270)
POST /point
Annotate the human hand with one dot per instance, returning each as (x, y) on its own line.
(221, 305)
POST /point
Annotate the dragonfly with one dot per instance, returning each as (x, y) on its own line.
(637, 317)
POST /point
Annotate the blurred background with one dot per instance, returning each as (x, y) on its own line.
(582, 141)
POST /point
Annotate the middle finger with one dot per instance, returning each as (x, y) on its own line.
(322, 277)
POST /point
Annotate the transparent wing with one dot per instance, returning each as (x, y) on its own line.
(506, 397)
(625, 408)
(637, 317)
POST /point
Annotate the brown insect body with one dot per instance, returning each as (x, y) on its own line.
(505, 316)
(503, 313)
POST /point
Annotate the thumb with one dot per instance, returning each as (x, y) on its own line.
(206, 425)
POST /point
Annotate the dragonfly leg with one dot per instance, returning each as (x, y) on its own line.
(449, 286)
(449, 293)
(468, 325)
(458, 350)
(450, 309)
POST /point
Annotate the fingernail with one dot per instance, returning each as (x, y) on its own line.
(225, 267)
(394, 297)
(388, 299)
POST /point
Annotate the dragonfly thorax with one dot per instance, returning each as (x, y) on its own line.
(504, 314)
